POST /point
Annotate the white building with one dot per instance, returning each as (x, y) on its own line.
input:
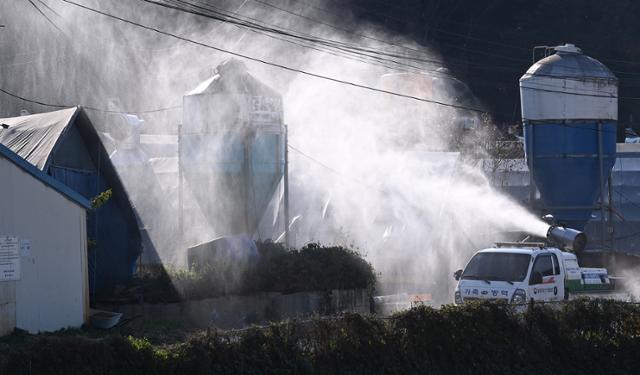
(43, 250)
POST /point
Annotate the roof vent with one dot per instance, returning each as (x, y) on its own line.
(567, 48)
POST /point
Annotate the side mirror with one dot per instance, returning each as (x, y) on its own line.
(536, 278)
(457, 274)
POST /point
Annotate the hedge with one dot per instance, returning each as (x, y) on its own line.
(580, 337)
(311, 268)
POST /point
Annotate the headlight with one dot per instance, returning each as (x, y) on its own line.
(519, 297)
(457, 298)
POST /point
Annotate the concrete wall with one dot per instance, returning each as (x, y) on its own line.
(7, 307)
(52, 292)
(241, 311)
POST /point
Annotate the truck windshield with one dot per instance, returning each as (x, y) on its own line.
(497, 267)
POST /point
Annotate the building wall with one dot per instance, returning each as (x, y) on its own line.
(117, 238)
(52, 292)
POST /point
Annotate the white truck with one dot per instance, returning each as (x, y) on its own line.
(522, 272)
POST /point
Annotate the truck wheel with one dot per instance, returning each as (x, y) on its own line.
(566, 295)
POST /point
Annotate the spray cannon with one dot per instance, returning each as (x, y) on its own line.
(567, 238)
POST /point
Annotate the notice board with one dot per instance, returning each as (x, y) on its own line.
(9, 258)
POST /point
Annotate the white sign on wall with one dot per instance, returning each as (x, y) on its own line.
(9, 258)
(25, 248)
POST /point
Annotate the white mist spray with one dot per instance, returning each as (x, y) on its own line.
(368, 169)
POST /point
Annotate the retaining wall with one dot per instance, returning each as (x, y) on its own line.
(241, 311)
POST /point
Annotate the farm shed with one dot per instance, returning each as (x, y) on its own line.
(43, 250)
(65, 145)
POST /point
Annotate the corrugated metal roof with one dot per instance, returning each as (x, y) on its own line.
(35, 137)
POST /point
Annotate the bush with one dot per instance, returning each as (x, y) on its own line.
(581, 337)
(312, 268)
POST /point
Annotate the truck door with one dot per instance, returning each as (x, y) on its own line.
(558, 274)
(545, 280)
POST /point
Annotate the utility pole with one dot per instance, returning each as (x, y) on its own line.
(286, 187)
(610, 228)
(603, 227)
(180, 192)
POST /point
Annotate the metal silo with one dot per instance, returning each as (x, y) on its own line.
(569, 112)
(232, 147)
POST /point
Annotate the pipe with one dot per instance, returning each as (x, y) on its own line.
(567, 238)
(603, 229)
(181, 238)
(287, 240)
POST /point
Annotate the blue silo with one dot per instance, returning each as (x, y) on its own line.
(569, 112)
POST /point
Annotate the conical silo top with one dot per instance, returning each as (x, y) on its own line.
(570, 62)
(232, 77)
(231, 66)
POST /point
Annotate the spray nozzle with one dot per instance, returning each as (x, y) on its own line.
(567, 238)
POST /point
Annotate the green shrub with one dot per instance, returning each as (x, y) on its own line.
(581, 337)
(312, 268)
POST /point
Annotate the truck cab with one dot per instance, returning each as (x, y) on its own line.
(530, 272)
(522, 274)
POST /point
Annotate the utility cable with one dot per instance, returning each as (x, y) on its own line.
(334, 27)
(262, 61)
(44, 15)
(35, 101)
(332, 43)
(405, 67)
(270, 63)
(361, 49)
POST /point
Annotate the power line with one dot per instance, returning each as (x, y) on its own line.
(380, 40)
(33, 100)
(350, 49)
(344, 52)
(244, 2)
(334, 170)
(48, 7)
(335, 44)
(359, 48)
(627, 198)
(44, 15)
(403, 21)
(39, 102)
(250, 58)
(359, 55)
(269, 63)
(412, 58)
(415, 50)
(335, 27)
(388, 16)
